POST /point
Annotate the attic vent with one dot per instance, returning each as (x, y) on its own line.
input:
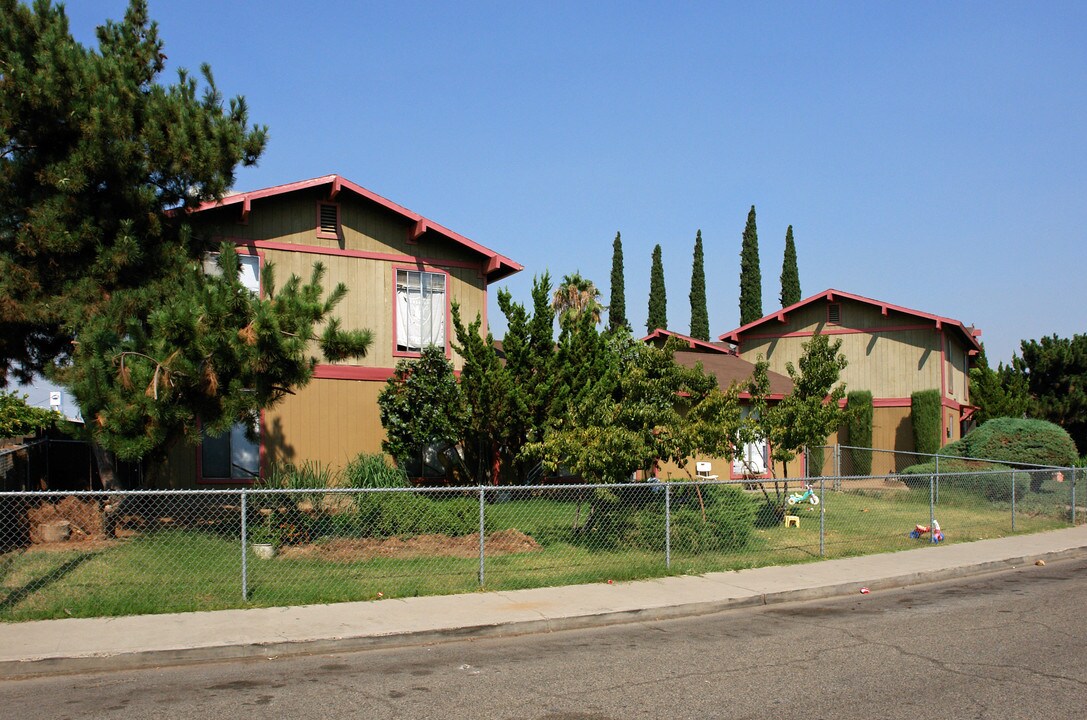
(834, 314)
(328, 220)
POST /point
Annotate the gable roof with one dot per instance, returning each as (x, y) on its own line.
(729, 368)
(661, 336)
(969, 334)
(498, 266)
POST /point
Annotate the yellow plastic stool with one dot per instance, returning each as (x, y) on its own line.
(792, 521)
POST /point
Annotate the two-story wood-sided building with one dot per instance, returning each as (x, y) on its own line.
(892, 352)
(402, 272)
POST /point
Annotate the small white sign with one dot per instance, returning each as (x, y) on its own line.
(54, 400)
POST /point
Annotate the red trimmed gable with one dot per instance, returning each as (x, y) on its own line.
(970, 334)
(661, 336)
(498, 266)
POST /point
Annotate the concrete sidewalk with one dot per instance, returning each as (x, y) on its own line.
(81, 645)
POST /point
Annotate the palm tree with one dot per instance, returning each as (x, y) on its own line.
(576, 295)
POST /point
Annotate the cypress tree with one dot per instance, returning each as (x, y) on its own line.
(790, 274)
(617, 309)
(750, 275)
(658, 303)
(700, 318)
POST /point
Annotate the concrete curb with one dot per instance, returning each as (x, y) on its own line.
(59, 665)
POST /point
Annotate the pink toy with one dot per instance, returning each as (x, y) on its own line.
(922, 530)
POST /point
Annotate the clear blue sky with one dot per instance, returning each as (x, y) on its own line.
(931, 155)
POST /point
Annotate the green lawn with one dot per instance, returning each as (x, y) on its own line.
(177, 570)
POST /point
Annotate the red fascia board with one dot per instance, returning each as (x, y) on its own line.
(692, 343)
(503, 266)
(830, 295)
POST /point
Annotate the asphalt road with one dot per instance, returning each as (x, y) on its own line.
(1003, 646)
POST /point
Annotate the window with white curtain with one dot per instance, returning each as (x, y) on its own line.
(420, 310)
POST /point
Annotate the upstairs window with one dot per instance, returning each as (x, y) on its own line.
(420, 310)
(328, 220)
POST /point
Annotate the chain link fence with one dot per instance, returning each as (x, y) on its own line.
(84, 554)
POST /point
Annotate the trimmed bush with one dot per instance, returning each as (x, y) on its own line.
(925, 413)
(989, 480)
(728, 525)
(1018, 440)
(634, 522)
(859, 413)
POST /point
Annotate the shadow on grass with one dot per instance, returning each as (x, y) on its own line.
(17, 595)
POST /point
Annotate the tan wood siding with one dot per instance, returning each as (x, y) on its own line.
(328, 421)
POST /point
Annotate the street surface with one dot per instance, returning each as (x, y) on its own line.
(1002, 646)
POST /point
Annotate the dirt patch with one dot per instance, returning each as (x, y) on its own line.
(85, 519)
(504, 542)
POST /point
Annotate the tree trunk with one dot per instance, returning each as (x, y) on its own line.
(107, 471)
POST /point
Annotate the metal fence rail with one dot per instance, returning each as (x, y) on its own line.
(101, 553)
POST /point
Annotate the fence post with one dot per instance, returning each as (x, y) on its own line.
(822, 520)
(1074, 496)
(1013, 501)
(481, 534)
(936, 496)
(932, 508)
(667, 526)
(837, 466)
(245, 579)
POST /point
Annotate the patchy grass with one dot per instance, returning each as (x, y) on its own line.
(179, 570)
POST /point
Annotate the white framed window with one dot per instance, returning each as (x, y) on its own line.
(420, 310)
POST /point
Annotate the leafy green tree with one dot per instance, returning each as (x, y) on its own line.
(18, 418)
(577, 295)
(617, 307)
(790, 273)
(750, 275)
(421, 406)
(804, 417)
(658, 301)
(494, 406)
(1000, 392)
(643, 408)
(700, 318)
(93, 152)
(1056, 373)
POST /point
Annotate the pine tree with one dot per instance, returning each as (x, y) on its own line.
(658, 302)
(790, 274)
(99, 163)
(617, 309)
(700, 318)
(750, 275)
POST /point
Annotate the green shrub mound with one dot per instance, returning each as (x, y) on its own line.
(1017, 440)
(408, 513)
(634, 518)
(992, 481)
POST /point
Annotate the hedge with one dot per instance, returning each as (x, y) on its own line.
(859, 424)
(925, 413)
(1018, 440)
